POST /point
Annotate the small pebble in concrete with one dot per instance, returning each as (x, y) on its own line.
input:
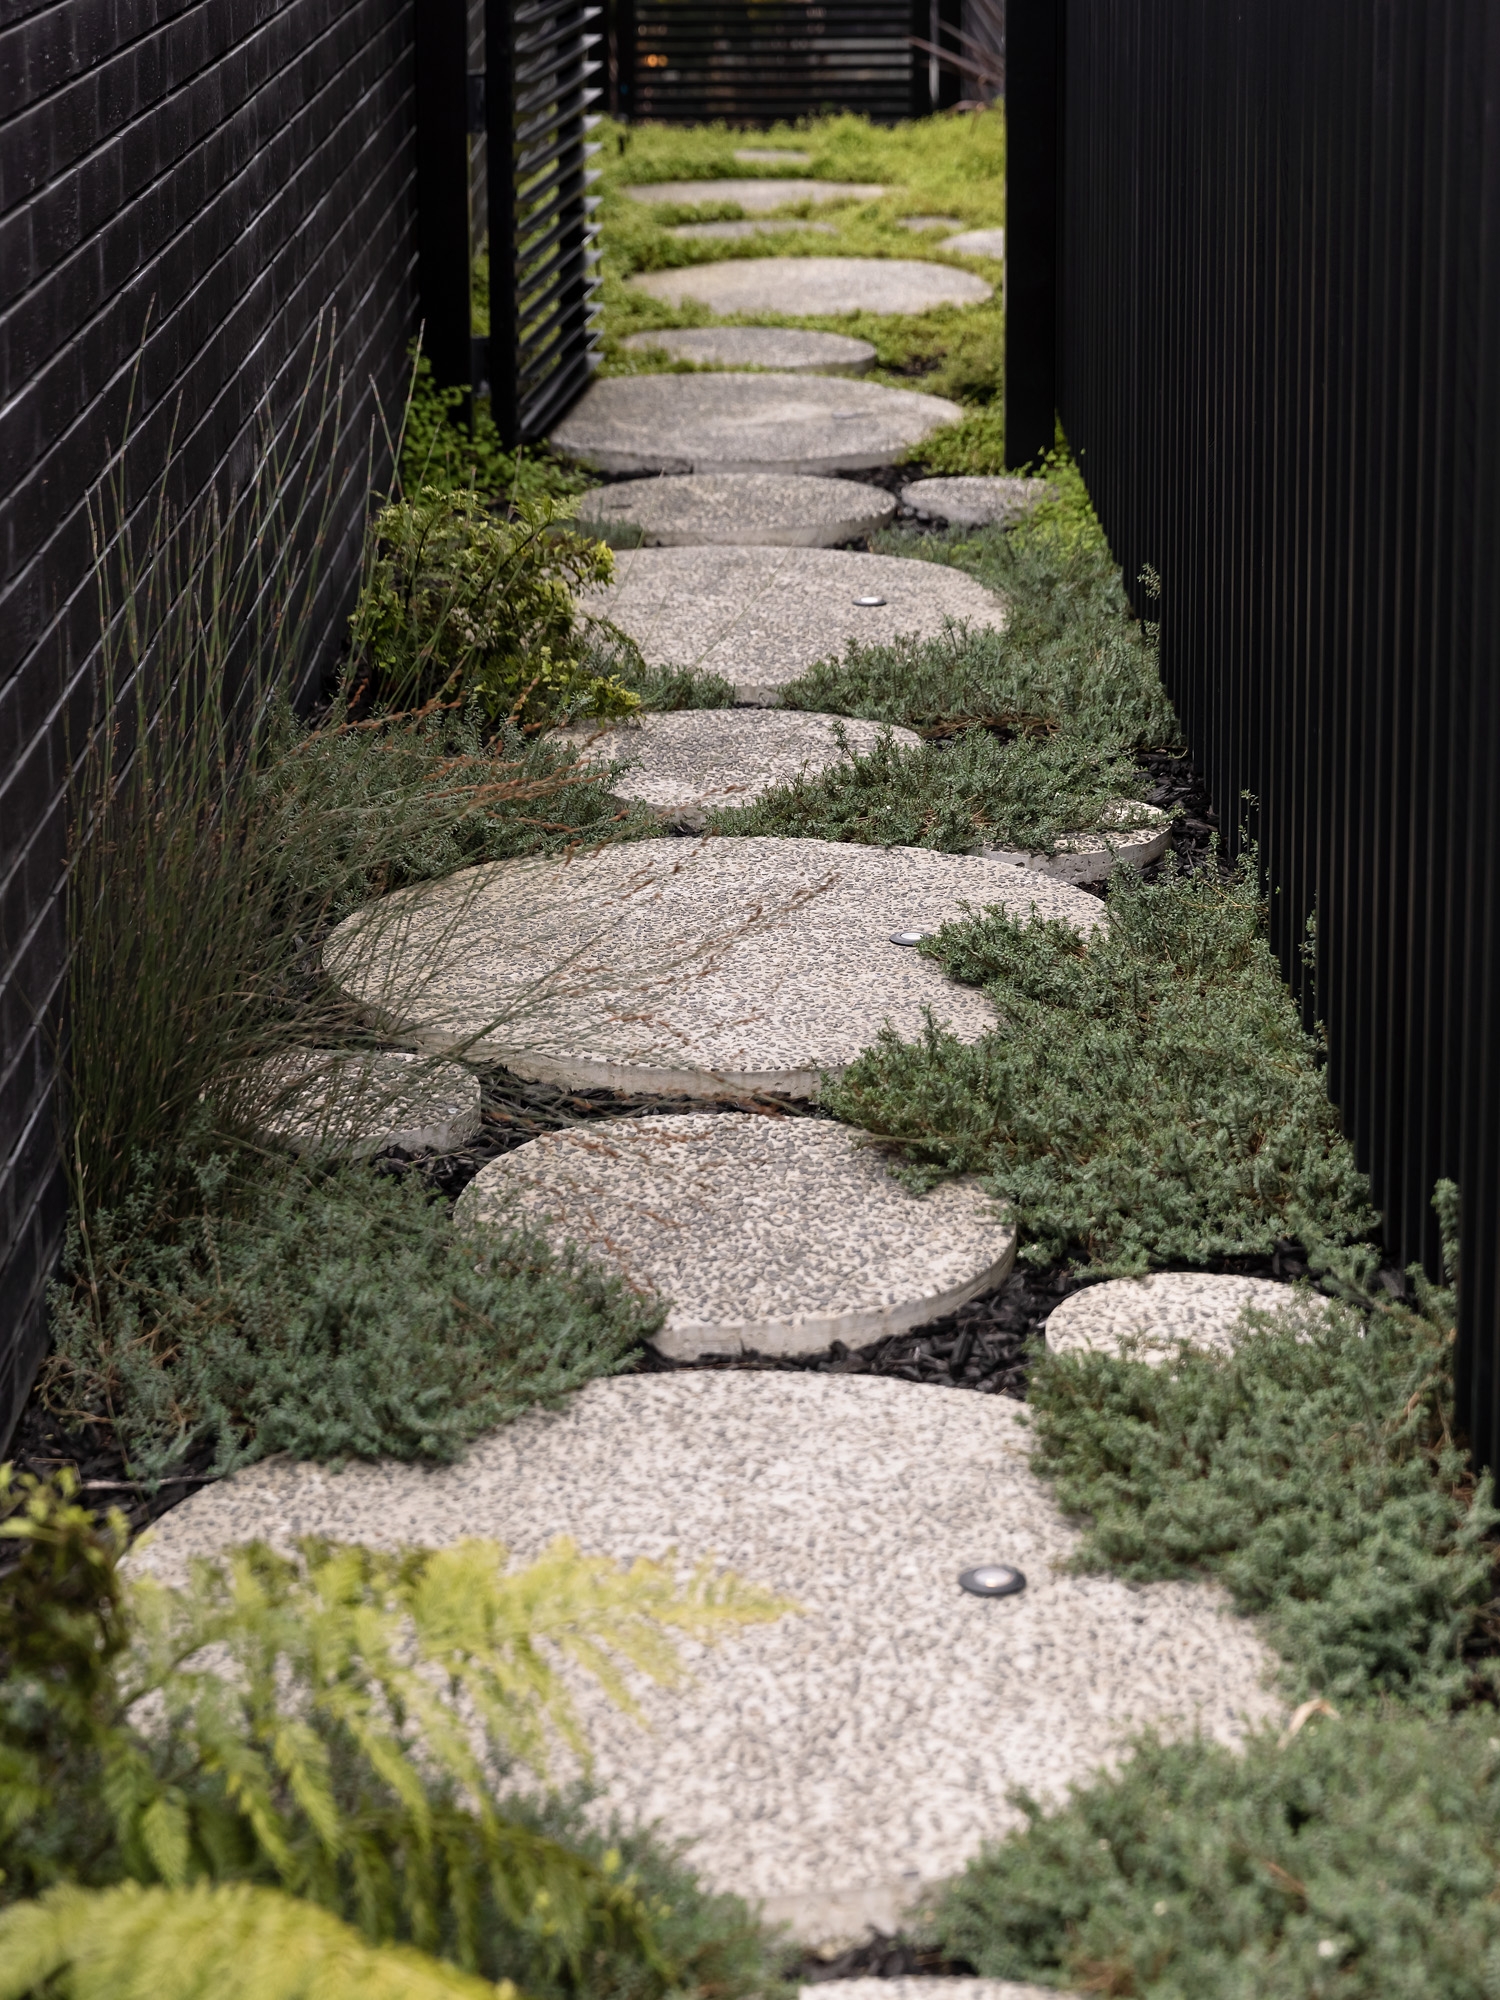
(718, 968)
(789, 350)
(757, 197)
(356, 1103)
(977, 243)
(929, 222)
(778, 1235)
(971, 501)
(736, 232)
(1093, 857)
(1152, 1315)
(746, 423)
(740, 509)
(807, 285)
(771, 156)
(761, 617)
(688, 761)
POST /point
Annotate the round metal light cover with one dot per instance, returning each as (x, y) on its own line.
(991, 1580)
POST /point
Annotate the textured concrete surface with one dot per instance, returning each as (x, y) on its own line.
(737, 232)
(977, 242)
(806, 285)
(837, 1762)
(1093, 857)
(743, 509)
(1153, 1314)
(336, 1101)
(746, 423)
(780, 1235)
(712, 967)
(687, 761)
(771, 156)
(790, 350)
(761, 617)
(921, 222)
(973, 500)
(929, 1989)
(756, 197)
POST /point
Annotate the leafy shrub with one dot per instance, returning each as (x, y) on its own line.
(1355, 1860)
(1149, 1097)
(438, 448)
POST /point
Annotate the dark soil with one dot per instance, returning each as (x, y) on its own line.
(881, 1956)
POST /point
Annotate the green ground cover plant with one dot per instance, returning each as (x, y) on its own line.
(441, 447)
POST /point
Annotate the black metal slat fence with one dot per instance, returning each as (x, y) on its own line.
(1278, 302)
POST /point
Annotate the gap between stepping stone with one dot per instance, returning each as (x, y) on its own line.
(692, 759)
(1150, 1316)
(720, 968)
(971, 501)
(761, 617)
(1093, 857)
(356, 1103)
(757, 196)
(774, 1235)
(735, 509)
(805, 285)
(789, 350)
(746, 423)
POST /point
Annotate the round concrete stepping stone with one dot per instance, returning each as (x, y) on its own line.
(807, 285)
(771, 156)
(917, 1988)
(977, 243)
(841, 1762)
(355, 1104)
(928, 222)
(790, 350)
(746, 423)
(761, 617)
(757, 197)
(710, 969)
(750, 509)
(972, 500)
(1150, 1316)
(764, 1235)
(1093, 857)
(737, 232)
(692, 759)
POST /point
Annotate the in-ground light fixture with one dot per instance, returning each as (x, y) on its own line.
(991, 1580)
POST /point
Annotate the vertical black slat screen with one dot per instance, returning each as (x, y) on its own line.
(542, 80)
(751, 62)
(1278, 291)
(1031, 276)
(443, 235)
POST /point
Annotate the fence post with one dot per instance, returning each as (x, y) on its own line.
(442, 101)
(1033, 132)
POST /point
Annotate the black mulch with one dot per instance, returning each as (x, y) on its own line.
(881, 1956)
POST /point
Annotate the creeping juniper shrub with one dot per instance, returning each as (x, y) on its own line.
(1356, 1860)
(1146, 1097)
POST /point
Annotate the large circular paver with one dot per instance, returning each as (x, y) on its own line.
(746, 423)
(789, 350)
(1094, 857)
(922, 222)
(737, 232)
(714, 968)
(806, 285)
(772, 1235)
(838, 1762)
(761, 617)
(977, 242)
(742, 509)
(973, 500)
(755, 196)
(692, 759)
(771, 156)
(357, 1103)
(1150, 1316)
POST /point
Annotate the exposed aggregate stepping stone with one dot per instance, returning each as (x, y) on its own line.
(807, 285)
(358, 1103)
(790, 350)
(971, 500)
(707, 969)
(1151, 1315)
(757, 196)
(746, 423)
(771, 156)
(840, 1762)
(977, 243)
(945, 1987)
(737, 232)
(761, 617)
(693, 758)
(766, 1235)
(744, 509)
(928, 222)
(1094, 857)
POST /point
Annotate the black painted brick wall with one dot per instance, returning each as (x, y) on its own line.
(214, 174)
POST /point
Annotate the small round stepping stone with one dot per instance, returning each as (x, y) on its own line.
(757, 197)
(737, 232)
(770, 156)
(356, 1103)
(750, 509)
(686, 762)
(977, 243)
(917, 1987)
(928, 222)
(1148, 1317)
(790, 350)
(746, 423)
(806, 285)
(773, 1235)
(761, 617)
(1093, 857)
(711, 969)
(973, 500)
